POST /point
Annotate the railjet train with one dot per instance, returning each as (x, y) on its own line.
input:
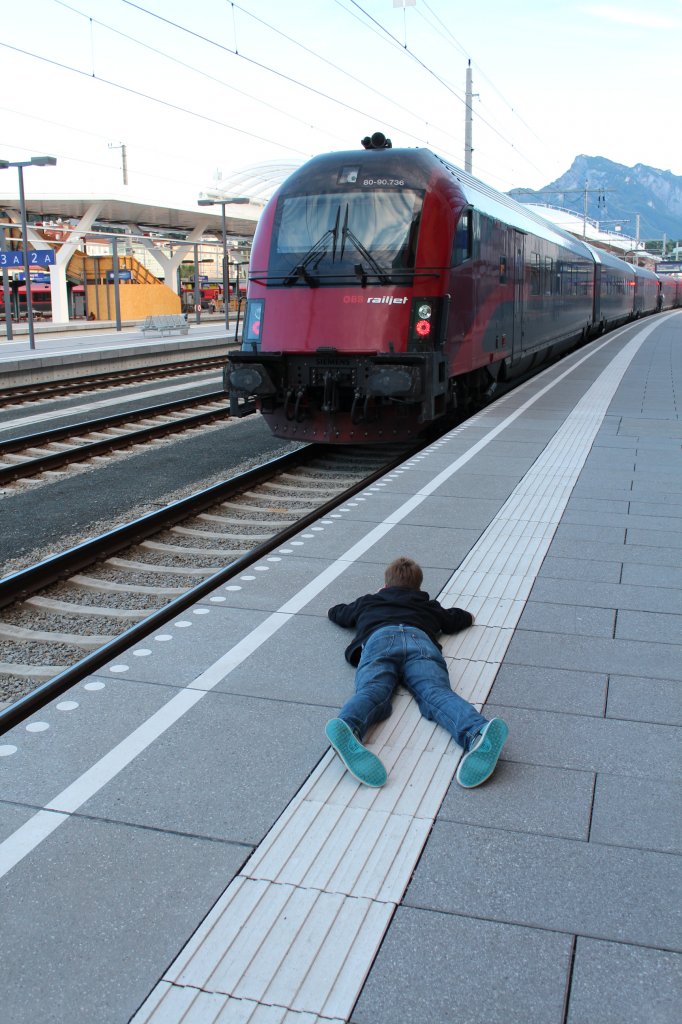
(389, 288)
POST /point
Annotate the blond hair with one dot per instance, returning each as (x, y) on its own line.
(403, 572)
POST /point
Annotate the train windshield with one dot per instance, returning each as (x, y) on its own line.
(327, 238)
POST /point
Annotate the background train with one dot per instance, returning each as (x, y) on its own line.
(389, 288)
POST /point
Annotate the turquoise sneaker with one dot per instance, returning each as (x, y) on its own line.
(360, 762)
(479, 763)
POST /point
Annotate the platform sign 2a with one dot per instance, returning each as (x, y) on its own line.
(36, 258)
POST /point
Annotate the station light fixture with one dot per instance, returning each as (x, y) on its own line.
(222, 203)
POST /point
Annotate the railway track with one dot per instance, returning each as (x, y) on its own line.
(54, 449)
(63, 618)
(46, 390)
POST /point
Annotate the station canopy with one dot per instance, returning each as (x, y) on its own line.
(257, 183)
(120, 210)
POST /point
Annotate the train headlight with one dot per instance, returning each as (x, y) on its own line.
(425, 325)
(253, 322)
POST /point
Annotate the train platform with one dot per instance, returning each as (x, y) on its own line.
(80, 349)
(179, 844)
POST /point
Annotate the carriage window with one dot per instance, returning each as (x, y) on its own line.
(535, 273)
(461, 249)
(548, 283)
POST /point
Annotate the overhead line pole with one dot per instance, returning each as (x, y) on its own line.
(468, 117)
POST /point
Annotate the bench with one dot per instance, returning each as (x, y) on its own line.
(166, 323)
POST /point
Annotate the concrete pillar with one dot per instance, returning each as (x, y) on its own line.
(170, 264)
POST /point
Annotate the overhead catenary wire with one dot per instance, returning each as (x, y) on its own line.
(188, 67)
(154, 99)
(273, 71)
(372, 25)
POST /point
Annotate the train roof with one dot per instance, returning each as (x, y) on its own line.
(608, 259)
(503, 207)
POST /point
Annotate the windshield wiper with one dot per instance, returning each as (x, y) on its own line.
(314, 255)
(346, 233)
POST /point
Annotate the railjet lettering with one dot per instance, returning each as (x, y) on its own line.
(386, 300)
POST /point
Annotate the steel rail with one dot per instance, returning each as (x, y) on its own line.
(35, 577)
(66, 385)
(80, 453)
(15, 444)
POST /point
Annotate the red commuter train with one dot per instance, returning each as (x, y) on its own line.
(389, 288)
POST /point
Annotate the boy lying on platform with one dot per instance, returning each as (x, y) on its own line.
(395, 642)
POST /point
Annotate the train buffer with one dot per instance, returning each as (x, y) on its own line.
(166, 323)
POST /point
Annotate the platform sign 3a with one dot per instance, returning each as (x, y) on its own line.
(36, 258)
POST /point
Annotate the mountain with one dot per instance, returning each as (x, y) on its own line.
(616, 194)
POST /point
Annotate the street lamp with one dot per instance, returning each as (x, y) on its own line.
(35, 161)
(222, 203)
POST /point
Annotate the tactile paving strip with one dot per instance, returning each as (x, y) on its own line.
(296, 932)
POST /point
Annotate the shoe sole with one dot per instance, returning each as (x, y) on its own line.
(360, 762)
(478, 765)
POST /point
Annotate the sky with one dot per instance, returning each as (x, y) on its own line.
(198, 91)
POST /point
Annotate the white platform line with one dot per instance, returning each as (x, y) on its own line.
(336, 863)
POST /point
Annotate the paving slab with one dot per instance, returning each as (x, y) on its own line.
(595, 654)
(618, 521)
(440, 967)
(614, 982)
(103, 906)
(668, 539)
(660, 574)
(601, 506)
(586, 534)
(574, 620)
(638, 812)
(550, 689)
(588, 743)
(661, 507)
(642, 699)
(565, 568)
(606, 892)
(661, 627)
(621, 596)
(526, 798)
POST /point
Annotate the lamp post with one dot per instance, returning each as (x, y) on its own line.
(222, 203)
(35, 161)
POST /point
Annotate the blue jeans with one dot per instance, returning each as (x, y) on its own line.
(404, 654)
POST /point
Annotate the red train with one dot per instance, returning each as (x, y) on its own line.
(389, 288)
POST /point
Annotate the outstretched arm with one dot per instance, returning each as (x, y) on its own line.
(345, 614)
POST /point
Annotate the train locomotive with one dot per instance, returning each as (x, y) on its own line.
(388, 288)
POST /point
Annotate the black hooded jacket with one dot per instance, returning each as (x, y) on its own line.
(395, 606)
